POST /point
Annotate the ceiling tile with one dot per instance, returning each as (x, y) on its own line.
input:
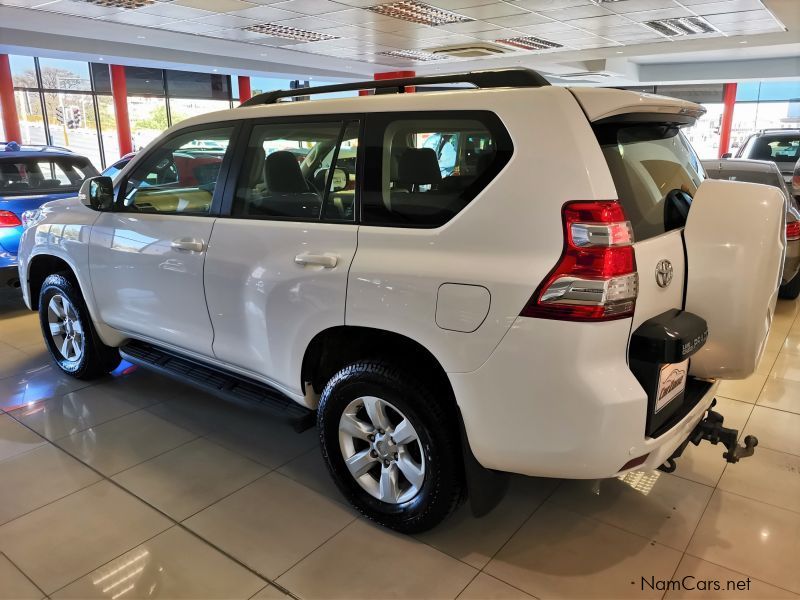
(576, 12)
(83, 9)
(453, 5)
(639, 5)
(600, 43)
(133, 17)
(739, 17)
(309, 23)
(360, 17)
(550, 4)
(728, 6)
(545, 28)
(173, 11)
(754, 26)
(265, 14)
(227, 21)
(216, 5)
(469, 27)
(189, 27)
(599, 23)
(520, 20)
(310, 7)
(489, 11)
(655, 15)
(494, 34)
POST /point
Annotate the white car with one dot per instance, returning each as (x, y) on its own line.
(545, 307)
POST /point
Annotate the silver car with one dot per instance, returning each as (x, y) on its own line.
(768, 173)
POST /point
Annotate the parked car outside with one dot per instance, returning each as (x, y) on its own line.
(781, 146)
(768, 173)
(525, 313)
(114, 169)
(29, 177)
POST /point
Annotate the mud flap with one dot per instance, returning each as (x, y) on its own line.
(486, 488)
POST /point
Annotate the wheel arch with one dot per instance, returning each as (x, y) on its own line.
(40, 267)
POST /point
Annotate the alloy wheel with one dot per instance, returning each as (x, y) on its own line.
(66, 329)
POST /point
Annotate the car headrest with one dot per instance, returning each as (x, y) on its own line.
(418, 166)
(282, 174)
(9, 170)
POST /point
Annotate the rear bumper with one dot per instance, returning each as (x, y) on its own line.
(791, 264)
(557, 399)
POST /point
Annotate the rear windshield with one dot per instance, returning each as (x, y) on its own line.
(656, 173)
(777, 148)
(21, 176)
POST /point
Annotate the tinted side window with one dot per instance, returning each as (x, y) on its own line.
(181, 175)
(43, 175)
(422, 169)
(292, 170)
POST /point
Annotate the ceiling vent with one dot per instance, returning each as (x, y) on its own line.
(127, 4)
(289, 33)
(472, 50)
(415, 55)
(681, 26)
(417, 12)
(528, 42)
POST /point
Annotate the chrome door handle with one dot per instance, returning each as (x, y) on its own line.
(323, 260)
(188, 245)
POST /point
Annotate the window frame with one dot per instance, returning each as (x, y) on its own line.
(240, 153)
(375, 128)
(222, 178)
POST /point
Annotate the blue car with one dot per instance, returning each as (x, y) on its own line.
(29, 177)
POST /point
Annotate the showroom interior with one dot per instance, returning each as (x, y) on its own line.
(147, 481)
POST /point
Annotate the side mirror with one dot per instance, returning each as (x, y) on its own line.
(727, 155)
(339, 180)
(97, 193)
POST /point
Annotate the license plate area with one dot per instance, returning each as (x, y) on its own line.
(671, 384)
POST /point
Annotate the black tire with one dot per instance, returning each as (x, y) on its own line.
(791, 290)
(443, 486)
(96, 358)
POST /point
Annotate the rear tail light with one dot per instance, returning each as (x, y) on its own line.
(793, 231)
(595, 279)
(9, 219)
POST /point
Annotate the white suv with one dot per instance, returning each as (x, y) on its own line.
(532, 300)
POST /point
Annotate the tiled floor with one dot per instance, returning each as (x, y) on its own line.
(137, 486)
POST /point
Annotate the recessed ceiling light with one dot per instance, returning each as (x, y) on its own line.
(681, 26)
(416, 55)
(418, 12)
(127, 4)
(528, 42)
(289, 33)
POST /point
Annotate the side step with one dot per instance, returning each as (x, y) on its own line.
(221, 383)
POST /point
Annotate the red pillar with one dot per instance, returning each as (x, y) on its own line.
(245, 93)
(119, 90)
(729, 101)
(10, 118)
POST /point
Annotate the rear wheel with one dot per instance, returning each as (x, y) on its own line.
(791, 290)
(390, 446)
(69, 333)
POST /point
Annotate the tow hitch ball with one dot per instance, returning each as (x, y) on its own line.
(711, 429)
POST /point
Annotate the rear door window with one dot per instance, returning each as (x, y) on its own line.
(43, 175)
(422, 169)
(656, 173)
(777, 148)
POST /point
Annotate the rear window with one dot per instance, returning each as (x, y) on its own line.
(422, 169)
(656, 173)
(777, 148)
(773, 179)
(43, 175)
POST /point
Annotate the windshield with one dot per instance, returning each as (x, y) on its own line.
(656, 173)
(21, 176)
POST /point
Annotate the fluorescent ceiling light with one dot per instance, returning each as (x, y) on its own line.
(681, 26)
(127, 4)
(528, 42)
(416, 55)
(289, 33)
(417, 12)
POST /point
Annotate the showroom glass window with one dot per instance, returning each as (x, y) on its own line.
(299, 171)
(180, 176)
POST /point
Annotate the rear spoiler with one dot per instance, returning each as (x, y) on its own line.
(602, 103)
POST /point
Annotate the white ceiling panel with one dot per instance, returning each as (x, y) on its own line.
(492, 11)
(133, 17)
(172, 11)
(627, 6)
(577, 12)
(727, 6)
(550, 4)
(469, 27)
(220, 6)
(520, 20)
(738, 17)
(655, 15)
(600, 23)
(70, 7)
(265, 14)
(545, 28)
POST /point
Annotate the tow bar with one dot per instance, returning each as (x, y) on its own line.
(712, 430)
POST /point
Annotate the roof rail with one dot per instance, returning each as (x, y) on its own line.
(494, 78)
(777, 129)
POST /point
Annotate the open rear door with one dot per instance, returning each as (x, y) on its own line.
(735, 244)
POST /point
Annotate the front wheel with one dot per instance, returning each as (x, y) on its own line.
(391, 445)
(69, 333)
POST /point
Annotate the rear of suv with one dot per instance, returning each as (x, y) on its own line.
(537, 299)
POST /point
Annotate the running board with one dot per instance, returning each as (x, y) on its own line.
(219, 382)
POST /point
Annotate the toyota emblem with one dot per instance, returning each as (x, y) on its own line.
(663, 273)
